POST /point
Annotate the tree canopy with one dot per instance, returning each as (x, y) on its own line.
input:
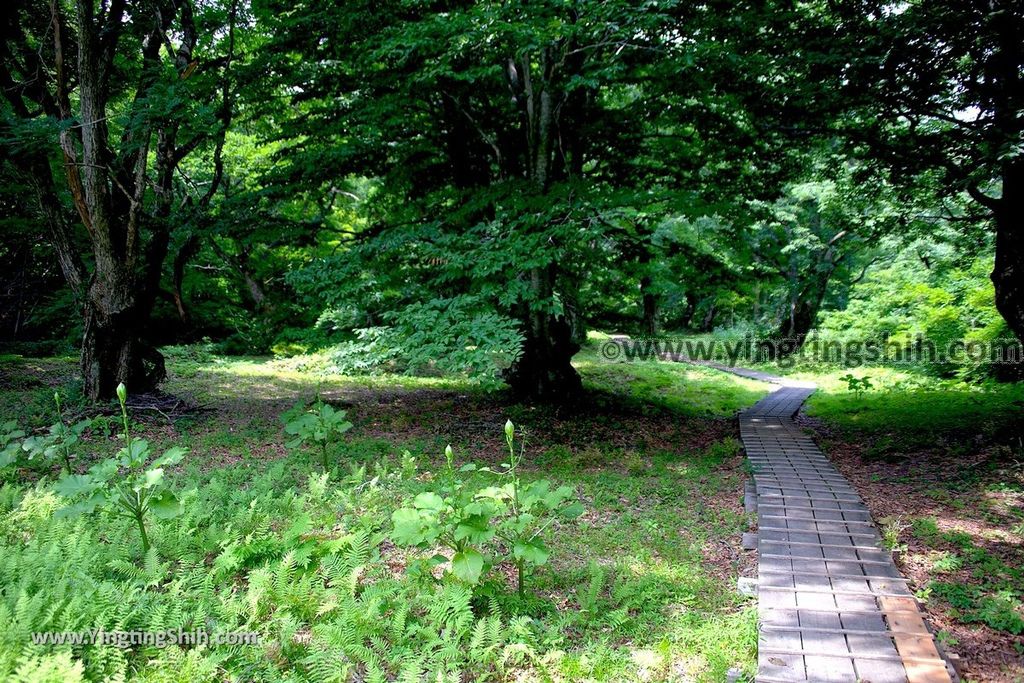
(471, 187)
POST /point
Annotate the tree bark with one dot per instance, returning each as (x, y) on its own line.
(113, 346)
(804, 304)
(689, 310)
(649, 303)
(108, 179)
(188, 249)
(708, 322)
(1008, 211)
(544, 370)
(1008, 271)
(117, 304)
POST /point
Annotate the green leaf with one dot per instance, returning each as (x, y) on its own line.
(172, 456)
(475, 531)
(468, 565)
(137, 454)
(555, 498)
(35, 445)
(572, 511)
(428, 501)
(75, 485)
(165, 505)
(153, 478)
(302, 425)
(533, 552)
(300, 526)
(497, 493)
(82, 507)
(103, 471)
(410, 527)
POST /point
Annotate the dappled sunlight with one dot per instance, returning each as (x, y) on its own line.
(681, 387)
(665, 604)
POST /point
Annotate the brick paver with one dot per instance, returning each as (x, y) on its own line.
(832, 606)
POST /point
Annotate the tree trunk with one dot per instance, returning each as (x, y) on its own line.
(803, 312)
(708, 323)
(544, 370)
(1008, 272)
(113, 348)
(181, 259)
(689, 310)
(1008, 211)
(107, 179)
(650, 308)
(648, 300)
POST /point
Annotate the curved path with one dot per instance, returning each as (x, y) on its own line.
(832, 606)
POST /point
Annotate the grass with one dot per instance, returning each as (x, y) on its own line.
(641, 587)
(685, 389)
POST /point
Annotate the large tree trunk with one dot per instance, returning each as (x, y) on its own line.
(113, 347)
(803, 310)
(108, 180)
(650, 319)
(116, 313)
(707, 324)
(1008, 271)
(544, 370)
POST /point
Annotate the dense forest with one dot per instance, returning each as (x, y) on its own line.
(441, 341)
(471, 188)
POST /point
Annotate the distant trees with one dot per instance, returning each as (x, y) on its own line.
(469, 185)
(936, 88)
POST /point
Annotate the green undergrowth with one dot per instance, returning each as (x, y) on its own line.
(297, 544)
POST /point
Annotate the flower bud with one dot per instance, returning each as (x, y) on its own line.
(510, 429)
(122, 393)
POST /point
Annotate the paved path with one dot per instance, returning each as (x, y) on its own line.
(832, 606)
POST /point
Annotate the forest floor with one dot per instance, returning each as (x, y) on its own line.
(640, 587)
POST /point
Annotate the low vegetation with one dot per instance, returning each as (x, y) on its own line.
(566, 548)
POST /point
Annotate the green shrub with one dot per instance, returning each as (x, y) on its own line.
(58, 445)
(468, 521)
(131, 484)
(316, 427)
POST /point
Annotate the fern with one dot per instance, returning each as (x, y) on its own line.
(588, 600)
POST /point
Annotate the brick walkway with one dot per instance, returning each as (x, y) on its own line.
(832, 606)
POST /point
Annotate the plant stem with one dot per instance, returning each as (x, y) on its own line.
(127, 433)
(142, 531)
(65, 451)
(522, 589)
